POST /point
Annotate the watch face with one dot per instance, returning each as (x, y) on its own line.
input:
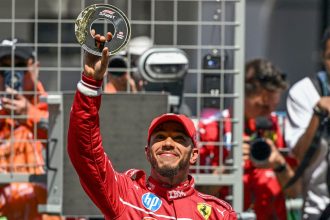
(280, 168)
(110, 19)
(320, 112)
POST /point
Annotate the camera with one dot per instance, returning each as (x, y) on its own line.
(259, 150)
(163, 65)
(212, 62)
(14, 80)
(164, 70)
(212, 81)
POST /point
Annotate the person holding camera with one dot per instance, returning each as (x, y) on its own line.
(266, 170)
(308, 107)
(168, 193)
(119, 80)
(23, 124)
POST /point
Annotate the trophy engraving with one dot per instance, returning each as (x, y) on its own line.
(81, 24)
(112, 15)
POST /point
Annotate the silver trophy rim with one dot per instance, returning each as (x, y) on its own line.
(87, 29)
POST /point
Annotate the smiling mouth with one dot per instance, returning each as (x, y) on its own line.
(167, 154)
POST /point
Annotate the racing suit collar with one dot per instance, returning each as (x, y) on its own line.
(180, 191)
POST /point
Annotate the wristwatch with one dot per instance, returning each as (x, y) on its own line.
(280, 168)
(319, 112)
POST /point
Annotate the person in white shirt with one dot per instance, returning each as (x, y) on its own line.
(307, 101)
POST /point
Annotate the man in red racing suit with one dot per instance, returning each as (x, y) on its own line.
(168, 193)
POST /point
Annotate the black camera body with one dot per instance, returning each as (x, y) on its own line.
(211, 61)
(260, 150)
(213, 80)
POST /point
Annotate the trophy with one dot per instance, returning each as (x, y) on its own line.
(91, 15)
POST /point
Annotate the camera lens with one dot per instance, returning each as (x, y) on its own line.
(211, 63)
(260, 151)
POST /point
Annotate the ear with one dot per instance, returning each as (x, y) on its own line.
(194, 155)
(146, 152)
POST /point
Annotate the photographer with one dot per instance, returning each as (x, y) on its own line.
(263, 180)
(23, 124)
(266, 170)
(118, 77)
(308, 106)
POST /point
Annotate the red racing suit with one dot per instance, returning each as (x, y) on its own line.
(129, 195)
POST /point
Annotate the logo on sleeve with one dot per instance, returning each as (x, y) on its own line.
(151, 202)
(205, 210)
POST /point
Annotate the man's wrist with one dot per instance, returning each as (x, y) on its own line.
(91, 82)
(280, 168)
(89, 86)
(319, 112)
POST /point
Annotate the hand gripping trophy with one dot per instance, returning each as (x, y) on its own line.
(114, 16)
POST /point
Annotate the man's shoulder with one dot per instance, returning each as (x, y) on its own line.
(303, 89)
(135, 174)
(221, 208)
(300, 84)
(214, 201)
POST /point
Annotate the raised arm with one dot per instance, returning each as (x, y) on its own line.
(85, 149)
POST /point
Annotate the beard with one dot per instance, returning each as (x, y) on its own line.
(170, 171)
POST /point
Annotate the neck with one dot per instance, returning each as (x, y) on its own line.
(170, 181)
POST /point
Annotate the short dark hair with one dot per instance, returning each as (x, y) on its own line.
(262, 74)
(117, 65)
(325, 38)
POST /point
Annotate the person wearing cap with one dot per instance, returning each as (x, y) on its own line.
(119, 80)
(168, 193)
(21, 146)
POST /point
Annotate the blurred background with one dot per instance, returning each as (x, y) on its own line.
(285, 31)
(202, 45)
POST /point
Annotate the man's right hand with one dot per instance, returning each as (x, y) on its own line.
(94, 66)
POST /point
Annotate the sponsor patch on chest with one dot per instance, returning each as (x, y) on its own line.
(151, 202)
(204, 209)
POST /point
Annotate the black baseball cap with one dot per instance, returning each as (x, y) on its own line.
(8, 45)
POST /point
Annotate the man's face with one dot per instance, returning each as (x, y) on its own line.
(261, 103)
(326, 57)
(171, 151)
